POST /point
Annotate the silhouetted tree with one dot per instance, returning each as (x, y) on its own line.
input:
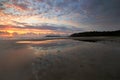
(96, 33)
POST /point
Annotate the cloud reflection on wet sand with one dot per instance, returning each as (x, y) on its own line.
(76, 60)
(59, 59)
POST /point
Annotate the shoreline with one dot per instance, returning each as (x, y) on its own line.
(86, 39)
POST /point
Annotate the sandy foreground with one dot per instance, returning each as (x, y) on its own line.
(15, 61)
(61, 59)
(80, 61)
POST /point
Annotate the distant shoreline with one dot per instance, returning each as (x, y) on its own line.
(97, 34)
(86, 39)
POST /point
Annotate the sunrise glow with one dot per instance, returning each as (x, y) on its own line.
(55, 17)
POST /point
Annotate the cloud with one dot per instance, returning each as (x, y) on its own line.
(5, 33)
(22, 6)
(80, 14)
(100, 11)
(17, 31)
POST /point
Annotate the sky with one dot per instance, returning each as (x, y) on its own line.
(34, 18)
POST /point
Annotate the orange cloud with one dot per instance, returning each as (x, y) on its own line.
(5, 34)
(7, 19)
(18, 7)
(10, 31)
(21, 21)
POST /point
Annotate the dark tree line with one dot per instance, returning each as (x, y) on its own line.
(96, 33)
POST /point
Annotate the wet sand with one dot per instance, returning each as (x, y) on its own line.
(77, 60)
(59, 59)
(15, 61)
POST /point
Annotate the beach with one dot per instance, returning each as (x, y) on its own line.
(60, 59)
